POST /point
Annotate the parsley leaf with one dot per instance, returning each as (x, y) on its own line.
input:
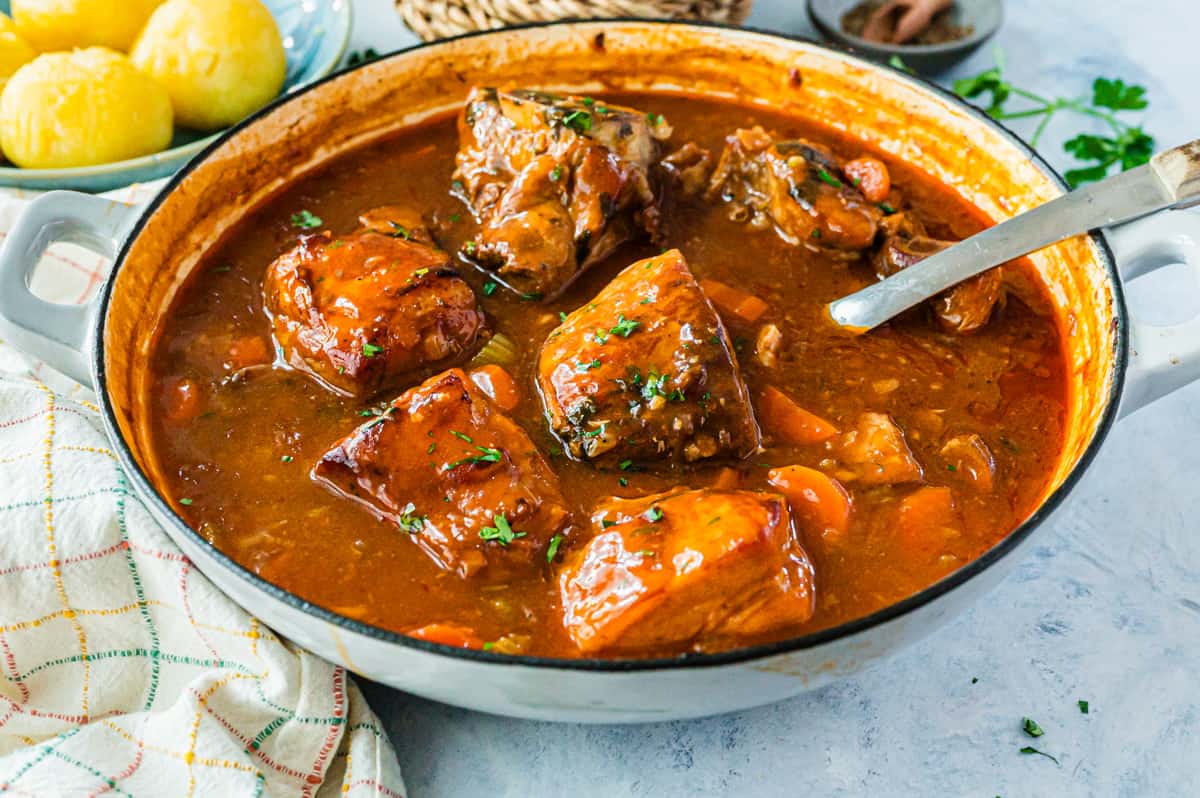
(654, 515)
(502, 533)
(370, 350)
(489, 288)
(1031, 727)
(409, 521)
(1113, 93)
(1029, 749)
(1083, 706)
(552, 549)
(306, 220)
(624, 326)
(1128, 145)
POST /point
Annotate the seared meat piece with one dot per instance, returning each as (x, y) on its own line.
(969, 457)
(796, 186)
(962, 309)
(443, 464)
(690, 567)
(557, 183)
(690, 167)
(645, 371)
(363, 311)
(876, 453)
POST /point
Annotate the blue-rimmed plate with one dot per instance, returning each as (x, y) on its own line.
(315, 34)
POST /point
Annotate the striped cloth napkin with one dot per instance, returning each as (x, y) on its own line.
(123, 671)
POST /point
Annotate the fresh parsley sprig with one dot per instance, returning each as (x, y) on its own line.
(1129, 145)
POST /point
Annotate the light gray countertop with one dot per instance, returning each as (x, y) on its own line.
(1106, 608)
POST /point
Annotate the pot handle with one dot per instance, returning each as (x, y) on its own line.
(58, 334)
(1162, 359)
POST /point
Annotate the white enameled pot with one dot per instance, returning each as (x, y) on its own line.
(1115, 364)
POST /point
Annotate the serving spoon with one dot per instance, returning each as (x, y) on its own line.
(1170, 180)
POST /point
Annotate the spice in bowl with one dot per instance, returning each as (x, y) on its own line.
(910, 22)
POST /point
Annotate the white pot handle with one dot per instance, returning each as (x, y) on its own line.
(1162, 359)
(58, 334)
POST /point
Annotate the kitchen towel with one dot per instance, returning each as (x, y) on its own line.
(123, 671)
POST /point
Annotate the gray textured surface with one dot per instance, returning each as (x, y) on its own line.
(1106, 609)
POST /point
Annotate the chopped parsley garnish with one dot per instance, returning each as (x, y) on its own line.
(370, 350)
(461, 436)
(624, 326)
(646, 301)
(605, 524)
(552, 549)
(306, 220)
(399, 231)
(828, 178)
(654, 515)
(502, 533)
(555, 174)
(1083, 706)
(656, 385)
(600, 336)
(223, 268)
(676, 396)
(454, 217)
(1029, 749)
(533, 296)
(816, 233)
(409, 521)
(287, 458)
(469, 247)
(366, 412)
(489, 455)
(581, 367)
(430, 448)
(421, 272)
(186, 502)
(1030, 727)
(488, 646)
(951, 467)
(623, 482)
(562, 316)
(588, 101)
(579, 121)
(379, 418)
(489, 288)
(654, 119)
(598, 431)
(887, 208)
(626, 465)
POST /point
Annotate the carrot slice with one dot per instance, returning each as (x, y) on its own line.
(182, 399)
(817, 499)
(790, 422)
(448, 635)
(498, 384)
(870, 176)
(734, 301)
(249, 351)
(927, 519)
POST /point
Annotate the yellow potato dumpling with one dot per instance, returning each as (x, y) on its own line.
(15, 52)
(221, 60)
(82, 108)
(67, 24)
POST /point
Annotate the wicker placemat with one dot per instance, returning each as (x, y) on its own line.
(437, 19)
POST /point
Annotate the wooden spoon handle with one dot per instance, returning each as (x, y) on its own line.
(1179, 170)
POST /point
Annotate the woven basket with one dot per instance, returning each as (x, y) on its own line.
(437, 19)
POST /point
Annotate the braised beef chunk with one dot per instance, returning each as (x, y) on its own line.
(875, 452)
(556, 183)
(645, 371)
(363, 311)
(962, 309)
(694, 567)
(455, 474)
(797, 187)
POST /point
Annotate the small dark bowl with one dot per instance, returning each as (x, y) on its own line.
(984, 16)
